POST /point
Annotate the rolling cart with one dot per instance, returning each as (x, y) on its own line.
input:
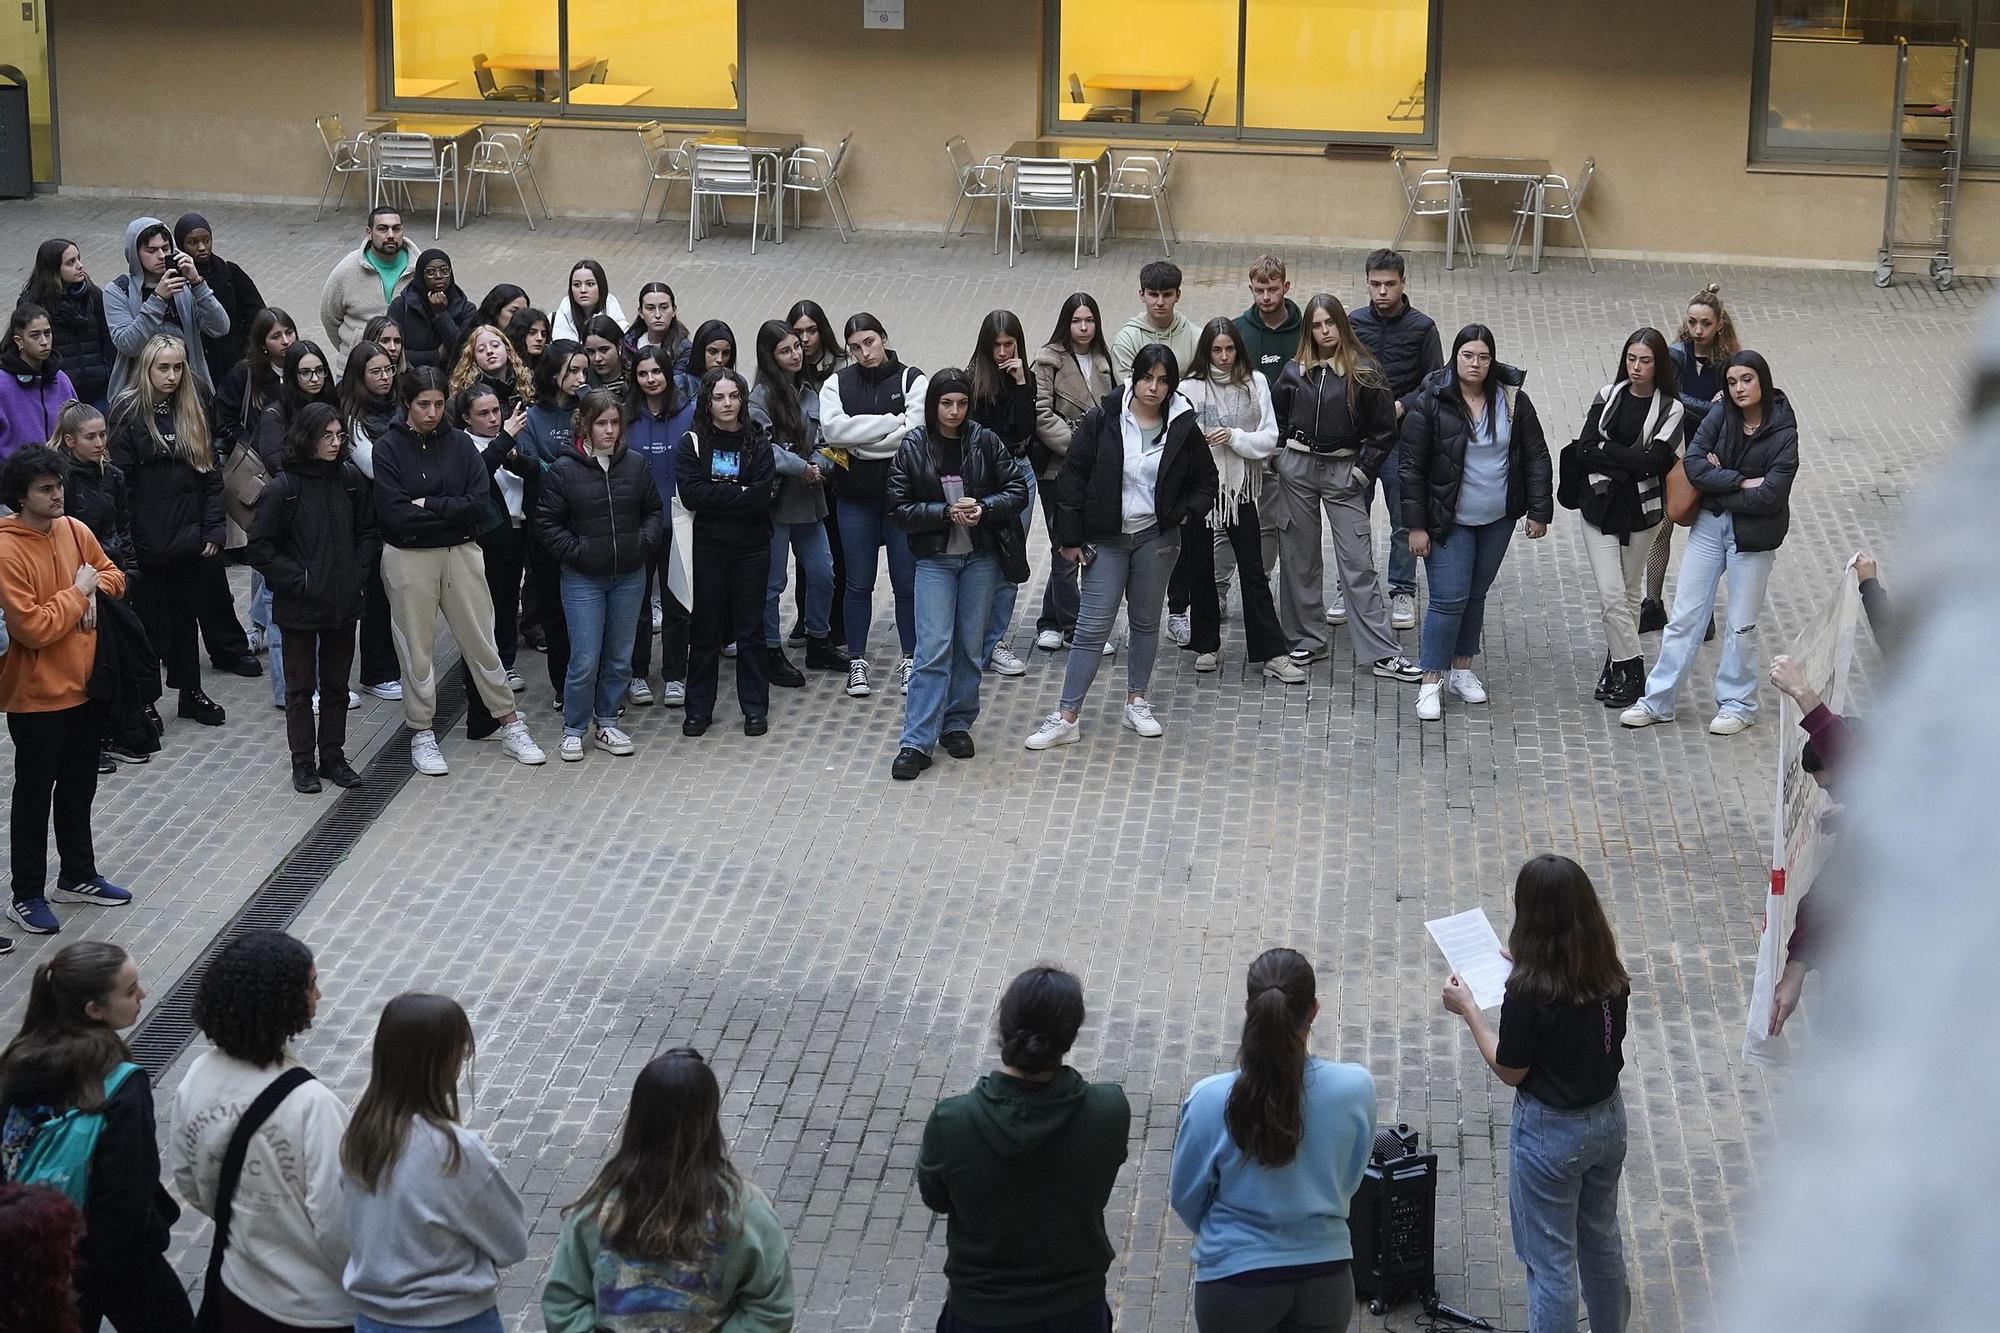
(1926, 145)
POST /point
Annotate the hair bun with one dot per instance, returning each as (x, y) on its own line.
(1713, 289)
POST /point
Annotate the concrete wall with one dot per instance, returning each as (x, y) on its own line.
(1661, 97)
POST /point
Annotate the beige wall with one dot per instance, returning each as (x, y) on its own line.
(1660, 97)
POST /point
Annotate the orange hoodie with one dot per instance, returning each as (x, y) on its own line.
(47, 666)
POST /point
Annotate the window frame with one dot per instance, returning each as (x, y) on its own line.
(556, 111)
(1055, 88)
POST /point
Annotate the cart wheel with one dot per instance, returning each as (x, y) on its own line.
(1885, 273)
(1376, 1305)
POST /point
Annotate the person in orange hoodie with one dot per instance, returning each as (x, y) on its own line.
(50, 568)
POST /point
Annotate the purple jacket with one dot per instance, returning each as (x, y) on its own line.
(29, 403)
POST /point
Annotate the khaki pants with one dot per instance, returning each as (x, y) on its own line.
(1620, 570)
(451, 579)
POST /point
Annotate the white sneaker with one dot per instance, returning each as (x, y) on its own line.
(516, 682)
(425, 756)
(1049, 640)
(1111, 645)
(1336, 608)
(1207, 661)
(1402, 611)
(1005, 662)
(1466, 685)
(1286, 670)
(903, 670)
(1180, 628)
(1728, 724)
(1430, 701)
(640, 693)
(1055, 730)
(1139, 717)
(571, 749)
(353, 701)
(255, 635)
(315, 703)
(392, 690)
(857, 679)
(1638, 715)
(729, 649)
(612, 741)
(516, 741)
(674, 694)
(1307, 656)
(659, 618)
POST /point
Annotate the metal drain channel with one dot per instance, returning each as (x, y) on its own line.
(169, 1026)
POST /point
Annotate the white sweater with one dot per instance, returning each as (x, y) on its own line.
(288, 1222)
(562, 326)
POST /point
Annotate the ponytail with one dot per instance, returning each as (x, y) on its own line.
(1265, 1114)
(61, 1054)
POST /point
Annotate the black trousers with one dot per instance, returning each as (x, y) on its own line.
(728, 604)
(1263, 639)
(379, 664)
(215, 607)
(675, 622)
(145, 1295)
(168, 600)
(1060, 599)
(55, 769)
(317, 659)
(506, 552)
(546, 575)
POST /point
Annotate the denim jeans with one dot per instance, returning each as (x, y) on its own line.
(485, 1322)
(1007, 594)
(274, 639)
(955, 595)
(1462, 565)
(1710, 557)
(1402, 565)
(1562, 1202)
(600, 610)
(1133, 568)
(863, 529)
(815, 571)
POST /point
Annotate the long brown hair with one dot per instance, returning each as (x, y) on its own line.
(1727, 343)
(669, 1190)
(421, 1042)
(61, 1054)
(1201, 366)
(1564, 951)
(1265, 1113)
(988, 384)
(1355, 363)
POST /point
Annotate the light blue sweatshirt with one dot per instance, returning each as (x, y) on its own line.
(1246, 1216)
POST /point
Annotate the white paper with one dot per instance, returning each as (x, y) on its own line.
(882, 13)
(1472, 951)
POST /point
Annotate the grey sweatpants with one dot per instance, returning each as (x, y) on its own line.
(1310, 483)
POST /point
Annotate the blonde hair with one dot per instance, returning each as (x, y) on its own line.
(1354, 362)
(1727, 344)
(75, 415)
(1267, 268)
(191, 443)
(467, 370)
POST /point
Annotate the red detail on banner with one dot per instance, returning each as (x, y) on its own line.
(1777, 883)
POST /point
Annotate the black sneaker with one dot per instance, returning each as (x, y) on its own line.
(340, 773)
(242, 666)
(756, 726)
(797, 633)
(693, 726)
(125, 754)
(1652, 616)
(153, 721)
(105, 763)
(198, 707)
(781, 672)
(821, 655)
(305, 779)
(909, 762)
(6, 944)
(957, 744)
(1710, 636)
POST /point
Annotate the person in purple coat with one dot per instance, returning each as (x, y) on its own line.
(33, 389)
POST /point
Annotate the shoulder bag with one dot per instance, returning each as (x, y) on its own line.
(1683, 500)
(209, 1316)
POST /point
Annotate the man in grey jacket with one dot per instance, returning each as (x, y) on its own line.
(157, 295)
(363, 284)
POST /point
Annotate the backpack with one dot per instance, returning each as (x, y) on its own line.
(58, 1155)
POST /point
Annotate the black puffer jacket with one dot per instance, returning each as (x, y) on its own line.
(314, 540)
(1320, 410)
(98, 497)
(1762, 514)
(993, 475)
(83, 341)
(431, 333)
(1090, 489)
(599, 520)
(175, 509)
(1436, 426)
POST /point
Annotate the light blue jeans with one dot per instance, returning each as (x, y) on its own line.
(1562, 1203)
(486, 1322)
(1462, 568)
(816, 562)
(602, 611)
(955, 596)
(274, 640)
(1710, 557)
(1005, 596)
(1132, 568)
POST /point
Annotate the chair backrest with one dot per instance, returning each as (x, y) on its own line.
(653, 141)
(399, 154)
(599, 70)
(332, 134)
(1075, 87)
(1209, 105)
(735, 93)
(960, 155)
(528, 137)
(1583, 184)
(1167, 163)
(839, 153)
(482, 75)
(1403, 176)
(1047, 181)
(722, 166)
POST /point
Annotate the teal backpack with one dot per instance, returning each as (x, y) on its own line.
(59, 1154)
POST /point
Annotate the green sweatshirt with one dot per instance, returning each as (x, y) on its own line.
(743, 1285)
(1023, 1171)
(1269, 348)
(1181, 337)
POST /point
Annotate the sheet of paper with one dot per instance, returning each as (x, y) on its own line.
(1472, 951)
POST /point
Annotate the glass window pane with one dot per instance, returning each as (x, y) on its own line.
(1833, 70)
(500, 50)
(1985, 146)
(1343, 66)
(1149, 61)
(644, 56)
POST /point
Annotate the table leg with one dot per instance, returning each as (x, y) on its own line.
(1451, 224)
(1536, 267)
(778, 189)
(1135, 106)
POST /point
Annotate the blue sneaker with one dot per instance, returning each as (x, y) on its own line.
(34, 916)
(97, 890)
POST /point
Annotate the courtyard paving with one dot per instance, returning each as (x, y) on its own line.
(836, 942)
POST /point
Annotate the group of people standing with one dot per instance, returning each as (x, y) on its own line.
(393, 1216)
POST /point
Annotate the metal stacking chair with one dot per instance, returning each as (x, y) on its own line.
(511, 154)
(1142, 178)
(482, 75)
(812, 170)
(345, 156)
(727, 171)
(976, 180)
(1429, 196)
(1097, 111)
(1047, 185)
(403, 160)
(667, 163)
(1556, 201)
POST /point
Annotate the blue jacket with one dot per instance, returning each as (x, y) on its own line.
(654, 438)
(1699, 380)
(1246, 1216)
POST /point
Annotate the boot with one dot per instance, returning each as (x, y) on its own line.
(1603, 680)
(198, 707)
(781, 672)
(1652, 616)
(1628, 682)
(821, 655)
(1710, 636)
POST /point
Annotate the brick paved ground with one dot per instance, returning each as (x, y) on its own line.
(836, 942)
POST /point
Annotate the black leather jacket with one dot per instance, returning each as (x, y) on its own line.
(993, 476)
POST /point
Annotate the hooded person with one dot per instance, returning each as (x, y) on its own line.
(233, 288)
(432, 312)
(33, 388)
(155, 296)
(711, 331)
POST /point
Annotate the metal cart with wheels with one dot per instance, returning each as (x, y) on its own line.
(1926, 144)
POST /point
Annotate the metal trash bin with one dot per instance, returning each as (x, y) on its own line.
(17, 151)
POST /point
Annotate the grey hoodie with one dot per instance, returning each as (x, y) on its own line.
(134, 314)
(1180, 337)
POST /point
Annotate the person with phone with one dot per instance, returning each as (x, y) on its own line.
(161, 292)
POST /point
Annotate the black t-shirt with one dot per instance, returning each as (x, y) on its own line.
(1572, 1052)
(1622, 418)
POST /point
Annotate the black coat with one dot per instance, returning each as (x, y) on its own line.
(241, 300)
(1011, 416)
(1436, 426)
(83, 341)
(98, 497)
(1090, 489)
(443, 469)
(728, 511)
(600, 521)
(1320, 409)
(313, 538)
(993, 474)
(175, 509)
(431, 334)
(1762, 514)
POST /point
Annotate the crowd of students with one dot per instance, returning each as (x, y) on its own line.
(394, 1216)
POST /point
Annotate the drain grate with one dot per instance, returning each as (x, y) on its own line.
(169, 1027)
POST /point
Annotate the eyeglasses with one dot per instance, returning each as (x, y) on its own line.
(312, 372)
(437, 270)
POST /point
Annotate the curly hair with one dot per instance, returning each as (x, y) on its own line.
(39, 1229)
(253, 997)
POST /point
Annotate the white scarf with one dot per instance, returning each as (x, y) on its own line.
(1237, 479)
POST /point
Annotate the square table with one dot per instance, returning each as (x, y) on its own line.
(422, 87)
(777, 145)
(1138, 85)
(1527, 172)
(541, 65)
